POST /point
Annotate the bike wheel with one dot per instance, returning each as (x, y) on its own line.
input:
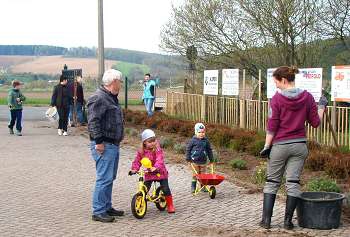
(161, 202)
(212, 192)
(138, 206)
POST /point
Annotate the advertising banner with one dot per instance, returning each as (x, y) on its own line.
(211, 82)
(341, 83)
(230, 81)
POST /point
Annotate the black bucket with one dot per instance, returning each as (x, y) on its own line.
(320, 210)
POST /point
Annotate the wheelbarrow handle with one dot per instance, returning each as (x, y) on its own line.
(210, 164)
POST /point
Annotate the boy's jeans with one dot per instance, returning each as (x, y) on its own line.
(149, 105)
(16, 118)
(106, 172)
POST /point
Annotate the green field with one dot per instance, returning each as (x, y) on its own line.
(126, 67)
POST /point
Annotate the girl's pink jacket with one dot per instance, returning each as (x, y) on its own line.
(157, 159)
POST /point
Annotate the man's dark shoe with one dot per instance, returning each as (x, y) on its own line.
(104, 217)
(114, 212)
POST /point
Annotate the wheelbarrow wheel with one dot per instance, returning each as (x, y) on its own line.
(138, 206)
(161, 203)
(212, 192)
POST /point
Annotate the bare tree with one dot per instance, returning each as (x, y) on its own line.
(335, 18)
(251, 34)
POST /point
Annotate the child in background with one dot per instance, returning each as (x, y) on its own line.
(151, 149)
(14, 101)
(198, 152)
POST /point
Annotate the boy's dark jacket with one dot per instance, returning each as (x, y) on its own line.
(61, 96)
(199, 150)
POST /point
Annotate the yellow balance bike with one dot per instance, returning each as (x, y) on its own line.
(140, 199)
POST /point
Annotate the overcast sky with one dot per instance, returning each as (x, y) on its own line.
(129, 24)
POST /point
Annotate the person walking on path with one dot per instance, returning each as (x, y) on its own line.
(148, 96)
(15, 99)
(151, 149)
(106, 131)
(78, 95)
(62, 99)
(285, 143)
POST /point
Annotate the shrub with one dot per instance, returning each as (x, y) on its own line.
(255, 147)
(186, 130)
(131, 131)
(180, 148)
(338, 166)
(238, 164)
(260, 173)
(241, 144)
(165, 142)
(313, 146)
(316, 160)
(217, 137)
(322, 184)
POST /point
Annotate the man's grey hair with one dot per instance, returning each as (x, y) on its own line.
(110, 75)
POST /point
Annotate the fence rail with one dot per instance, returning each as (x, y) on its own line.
(252, 115)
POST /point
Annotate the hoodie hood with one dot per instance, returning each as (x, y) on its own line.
(294, 99)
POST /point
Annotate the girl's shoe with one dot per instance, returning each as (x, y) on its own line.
(65, 133)
(59, 131)
(11, 131)
(169, 204)
(18, 133)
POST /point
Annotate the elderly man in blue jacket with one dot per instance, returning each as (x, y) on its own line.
(106, 130)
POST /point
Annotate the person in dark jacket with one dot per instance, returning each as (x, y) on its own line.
(198, 152)
(285, 143)
(62, 99)
(106, 130)
(14, 101)
(79, 102)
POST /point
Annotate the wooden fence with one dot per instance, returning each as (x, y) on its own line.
(252, 115)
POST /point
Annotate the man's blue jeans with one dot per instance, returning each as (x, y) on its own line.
(79, 109)
(149, 105)
(106, 172)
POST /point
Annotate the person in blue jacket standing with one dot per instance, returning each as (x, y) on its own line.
(148, 96)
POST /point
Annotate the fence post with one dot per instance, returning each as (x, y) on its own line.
(203, 108)
(126, 93)
(334, 122)
(259, 105)
(242, 109)
(172, 103)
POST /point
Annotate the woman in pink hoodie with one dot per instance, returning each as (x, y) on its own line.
(285, 144)
(151, 149)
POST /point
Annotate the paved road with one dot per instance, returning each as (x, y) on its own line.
(29, 113)
(46, 183)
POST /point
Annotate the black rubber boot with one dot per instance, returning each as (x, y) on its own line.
(269, 202)
(193, 185)
(291, 204)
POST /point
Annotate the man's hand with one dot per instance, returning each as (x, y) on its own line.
(18, 99)
(265, 153)
(153, 169)
(100, 148)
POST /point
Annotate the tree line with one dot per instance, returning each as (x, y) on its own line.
(260, 34)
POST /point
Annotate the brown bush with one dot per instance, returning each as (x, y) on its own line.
(338, 166)
(317, 159)
(313, 146)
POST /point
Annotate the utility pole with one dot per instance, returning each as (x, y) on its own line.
(101, 56)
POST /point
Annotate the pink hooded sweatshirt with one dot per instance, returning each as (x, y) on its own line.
(157, 159)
